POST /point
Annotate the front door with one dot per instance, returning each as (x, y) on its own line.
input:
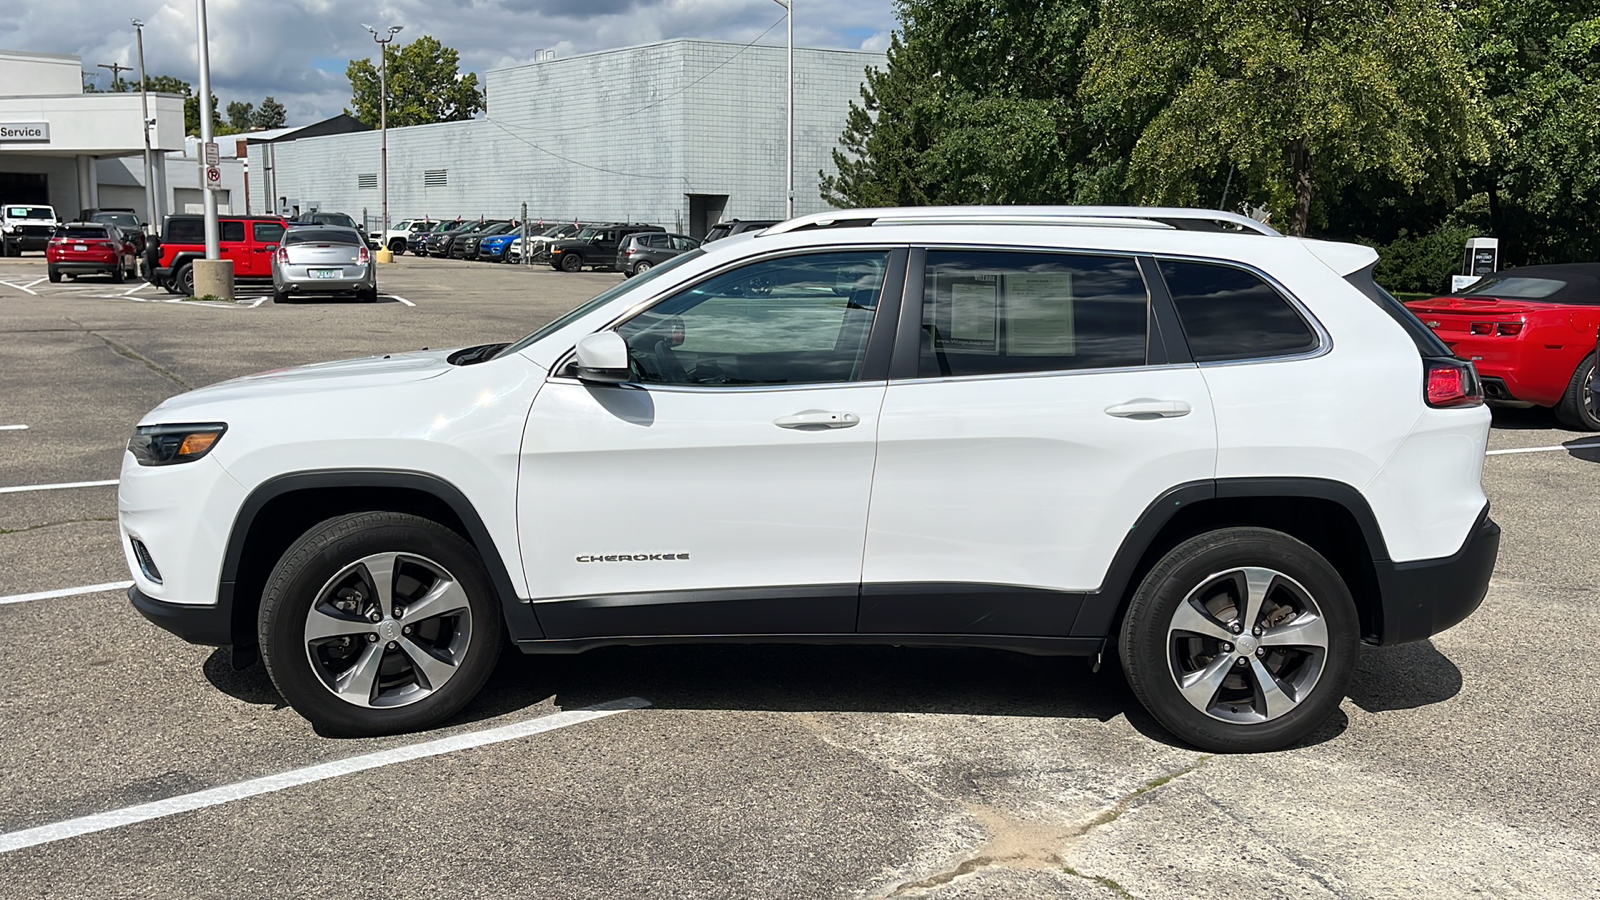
(1042, 422)
(725, 490)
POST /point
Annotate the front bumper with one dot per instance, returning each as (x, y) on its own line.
(1423, 598)
(208, 625)
(28, 241)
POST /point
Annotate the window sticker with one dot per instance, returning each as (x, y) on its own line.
(974, 315)
(1039, 315)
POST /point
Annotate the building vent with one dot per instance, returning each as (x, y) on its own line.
(435, 177)
(367, 181)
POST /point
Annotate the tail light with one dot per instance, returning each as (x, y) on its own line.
(364, 255)
(1509, 329)
(283, 256)
(1452, 384)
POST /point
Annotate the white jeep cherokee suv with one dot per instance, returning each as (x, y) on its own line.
(1225, 452)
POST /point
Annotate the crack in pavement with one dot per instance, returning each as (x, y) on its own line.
(26, 528)
(130, 353)
(1017, 844)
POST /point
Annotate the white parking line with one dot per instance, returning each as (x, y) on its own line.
(13, 428)
(1542, 449)
(402, 299)
(144, 812)
(66, 592)
(24, 488)
(19, 287)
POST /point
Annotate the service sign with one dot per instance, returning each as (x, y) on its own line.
(25, 131)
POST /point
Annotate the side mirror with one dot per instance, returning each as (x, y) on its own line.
(603, 359)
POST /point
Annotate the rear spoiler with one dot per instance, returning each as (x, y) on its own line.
(1344, 259)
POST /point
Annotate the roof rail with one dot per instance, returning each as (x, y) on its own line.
(1083, 216)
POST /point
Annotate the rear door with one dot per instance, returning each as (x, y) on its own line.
(264, 238)
(235, 244)
(1036, 411)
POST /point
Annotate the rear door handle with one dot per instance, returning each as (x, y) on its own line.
(1150, 409)
(816, 419)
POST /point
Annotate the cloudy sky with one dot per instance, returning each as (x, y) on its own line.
(297, 50)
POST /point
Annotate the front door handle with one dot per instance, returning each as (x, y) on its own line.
(1144, 408)
(817, 419)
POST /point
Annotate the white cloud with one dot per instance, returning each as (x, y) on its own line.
(296, 50)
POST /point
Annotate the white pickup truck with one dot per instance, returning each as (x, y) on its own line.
(25, 227)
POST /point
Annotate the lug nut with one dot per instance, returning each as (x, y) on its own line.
(1236, 628)
(399, 611)
(372, 639)
(394, 645)
(1227, 647)
(1243, 661)
(1261, 652)
(1256, 631)
(375, 616)
(406, 630)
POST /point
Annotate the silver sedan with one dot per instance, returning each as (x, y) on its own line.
(323, 260)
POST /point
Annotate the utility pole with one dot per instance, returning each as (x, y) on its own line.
(384, 254)
(789, 177)
(213, 241)
(144, 106)
(116, 73)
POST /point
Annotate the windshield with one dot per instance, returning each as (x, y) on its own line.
(1512, 287)
(587, 233)
(30, 212)
(552, 231)
(126, 220)
(321, 236)
(599, 300)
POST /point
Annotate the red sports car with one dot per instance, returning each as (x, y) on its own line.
(1531, 331)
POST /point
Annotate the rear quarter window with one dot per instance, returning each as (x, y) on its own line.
(1229, 313)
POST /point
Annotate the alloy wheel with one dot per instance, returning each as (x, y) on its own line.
(388, 630)
(1247, 645)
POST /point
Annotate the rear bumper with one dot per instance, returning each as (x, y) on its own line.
(74, 265)
(211, 626)
(1423, 598)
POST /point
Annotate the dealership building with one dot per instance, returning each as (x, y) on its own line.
(74, 151)
(679, 133)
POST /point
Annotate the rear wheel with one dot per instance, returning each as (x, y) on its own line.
(641, 267)
(1577, 408)
(367, 296)
(55, 276)
(1240, 640)
(571, 262)
(118, 274)
(378, 623)
(183, 280)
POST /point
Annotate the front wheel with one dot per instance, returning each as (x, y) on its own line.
(397, 247)
(378, 623)
(1577, 409)
(571, 262)
(1240, 640)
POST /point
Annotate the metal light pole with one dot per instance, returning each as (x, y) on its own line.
(144, 106)
(383, 128)
(213, 242)
(789, 5)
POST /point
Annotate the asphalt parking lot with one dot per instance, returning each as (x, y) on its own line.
(1463, 765)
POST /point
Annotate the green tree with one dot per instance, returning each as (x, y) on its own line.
(241, 115)
(425, 85)
(270, 114)
(978, 104)
(1284, 97)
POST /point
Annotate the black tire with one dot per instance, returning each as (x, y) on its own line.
(55, 276)
(183, 280)
(118, 275)
(571, 262)
(397, 247)
(1577, 407)
(367, 296)
(280, 296)
(311, 565)
(1301, 588)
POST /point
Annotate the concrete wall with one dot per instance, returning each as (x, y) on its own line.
(39, 73)
(621, 134)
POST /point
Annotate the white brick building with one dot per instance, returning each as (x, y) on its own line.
(679, 133)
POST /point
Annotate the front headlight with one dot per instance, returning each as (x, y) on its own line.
(164, 445)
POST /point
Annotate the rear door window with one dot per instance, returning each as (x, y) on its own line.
(1001, 312)
(1229, 313)
(267, 232)
(232, 232)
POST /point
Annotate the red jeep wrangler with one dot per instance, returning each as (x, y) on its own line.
(249, 241)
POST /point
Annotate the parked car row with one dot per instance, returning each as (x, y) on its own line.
(298, 259)
(627, 247)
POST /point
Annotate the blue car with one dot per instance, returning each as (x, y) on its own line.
(493, 248)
